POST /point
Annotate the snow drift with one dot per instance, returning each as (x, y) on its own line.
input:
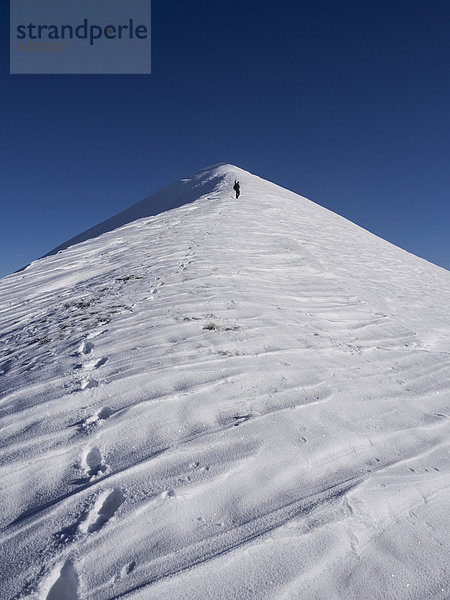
(229, 399)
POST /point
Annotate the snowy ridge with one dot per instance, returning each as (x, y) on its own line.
(233, 399)
(172, 196)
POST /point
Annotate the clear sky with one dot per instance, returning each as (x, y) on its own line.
(345, 102)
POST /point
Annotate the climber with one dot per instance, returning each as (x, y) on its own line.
(237, 188)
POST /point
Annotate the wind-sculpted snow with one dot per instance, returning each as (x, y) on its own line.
(233, 399)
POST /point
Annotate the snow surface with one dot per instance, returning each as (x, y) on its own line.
(233, 399)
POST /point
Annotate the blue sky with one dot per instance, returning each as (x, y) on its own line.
(345, 102)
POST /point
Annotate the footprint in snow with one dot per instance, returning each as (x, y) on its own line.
(104, 413)
(66, 585)
(92, 463)
(85, 425)
(85, 348)
(97, 363)
(87, 384)
(168, 494)
(103, 510)
(91, 518)
(127, 569)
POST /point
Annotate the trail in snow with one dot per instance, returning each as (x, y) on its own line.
(233, 399)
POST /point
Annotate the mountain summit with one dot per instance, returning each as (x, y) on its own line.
(206, 397)
(184, 191)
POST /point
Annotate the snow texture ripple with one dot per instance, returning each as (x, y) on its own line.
(211, 398)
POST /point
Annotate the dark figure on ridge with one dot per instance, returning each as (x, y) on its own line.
(237, 188)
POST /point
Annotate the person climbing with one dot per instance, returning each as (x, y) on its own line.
(237, 188)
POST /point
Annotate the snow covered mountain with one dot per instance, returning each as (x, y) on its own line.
(231, 399)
